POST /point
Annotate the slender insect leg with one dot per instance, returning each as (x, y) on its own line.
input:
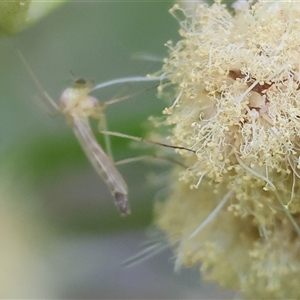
(103, 126)
(128, 80)
(139, 139)
(36, 81)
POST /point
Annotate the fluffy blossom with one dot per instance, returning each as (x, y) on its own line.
(236, 209)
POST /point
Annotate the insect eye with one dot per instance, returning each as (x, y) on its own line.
(80, 81)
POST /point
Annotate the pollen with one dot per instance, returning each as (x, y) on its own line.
(236, 80)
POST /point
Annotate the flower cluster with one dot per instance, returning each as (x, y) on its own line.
(236, 209)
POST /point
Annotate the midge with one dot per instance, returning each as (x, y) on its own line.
(78, 106)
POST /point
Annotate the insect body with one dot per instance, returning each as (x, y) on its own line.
(78, 106)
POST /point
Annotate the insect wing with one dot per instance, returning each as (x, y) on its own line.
(102, 164)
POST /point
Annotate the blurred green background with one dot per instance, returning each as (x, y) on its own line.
(62, 235)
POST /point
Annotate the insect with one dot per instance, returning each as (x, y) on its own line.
(78, 107)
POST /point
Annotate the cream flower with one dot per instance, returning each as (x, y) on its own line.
(237, 106)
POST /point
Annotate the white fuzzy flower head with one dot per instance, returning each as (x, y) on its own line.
(237, 82)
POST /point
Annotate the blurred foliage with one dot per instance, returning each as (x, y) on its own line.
(16, 16)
